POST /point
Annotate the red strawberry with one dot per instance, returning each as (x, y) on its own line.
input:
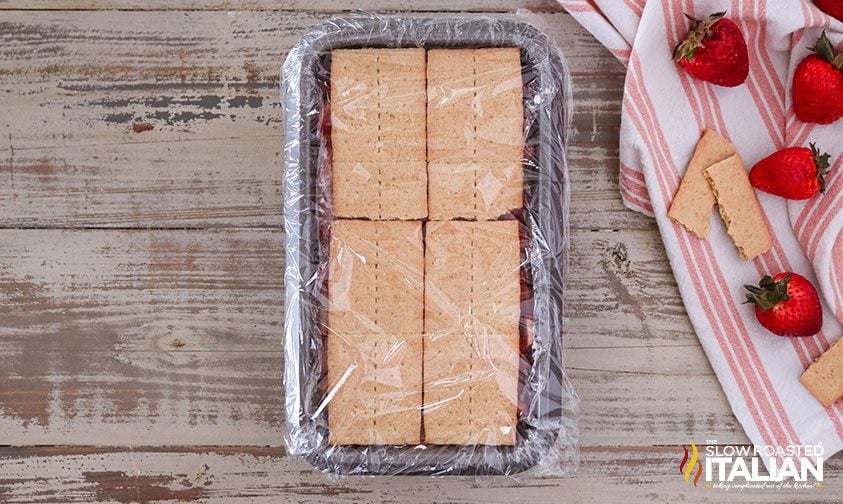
(792, 173)
(818, 85)
(714, 50)
(787, 305)
(833, 8)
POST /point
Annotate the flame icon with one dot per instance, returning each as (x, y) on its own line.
(694, 463)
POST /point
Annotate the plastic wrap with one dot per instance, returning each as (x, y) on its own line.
(444, 327)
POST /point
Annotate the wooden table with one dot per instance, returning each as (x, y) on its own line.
(141, 294)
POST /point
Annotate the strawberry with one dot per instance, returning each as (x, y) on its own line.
(792, 173)
(714, 50)
(818, 85)
(833, 8)
(787, 304)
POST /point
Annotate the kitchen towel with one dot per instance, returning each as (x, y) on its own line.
(664, 112)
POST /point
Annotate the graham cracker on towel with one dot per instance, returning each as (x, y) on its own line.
(378, 133)
(824, 378)
(374, 334)
(475, 137)
(739, 207)
(471, 352)
(692, 204)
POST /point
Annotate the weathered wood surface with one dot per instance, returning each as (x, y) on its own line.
(208, 83)
(157, 336)
(127, 337)
(141, 274)
(239, 474)
(313, 5)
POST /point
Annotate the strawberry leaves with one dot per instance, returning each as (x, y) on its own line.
(698, 31)
(824, 48)
(768, 293)
(823, 161)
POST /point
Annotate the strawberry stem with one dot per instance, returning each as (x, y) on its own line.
(826, 51)
(769, 293)
(699, 29)
(823, 161)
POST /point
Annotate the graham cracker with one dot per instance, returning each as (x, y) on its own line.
(374, 337)
(500, 125)
(496, 293)
(472, 277)
(824, 378)
(378, 133)
(471, 190)
(380, 190)
(375, 277)
(475, 122)
(739, 207)
(448, 278)
(470, 389)
(451, 116)
(692, 204)
(472, 312)
(374, 389)
(378, 104)
(475, 109)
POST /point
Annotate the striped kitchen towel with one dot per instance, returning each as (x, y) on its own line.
(664, 111)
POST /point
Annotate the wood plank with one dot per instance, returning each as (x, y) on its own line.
(649, 396)
(169, 395)
(100, 278)
(141, 290)
(163, 396)
(208, 83)
(270, 5)
(232, 475)
(621, 292)
(146, 337)
(135, 335)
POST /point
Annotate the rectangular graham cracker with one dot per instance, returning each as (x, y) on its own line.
(374, 337)
(474, 104)
(378, 133)
(376, 277)
(739, 207)
(471, 343)
(470, 391)
(475, 132)
(824, 378)
(380, 190)
(692, 204)
(473, 190)
(378, 104)
(374, 389)
(472, 277)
